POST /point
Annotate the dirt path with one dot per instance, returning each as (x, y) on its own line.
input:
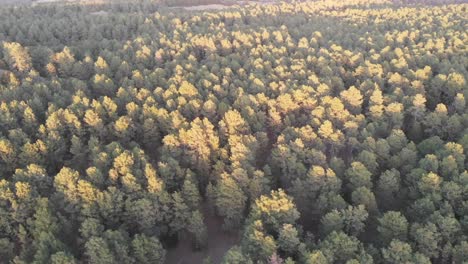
(219, 242)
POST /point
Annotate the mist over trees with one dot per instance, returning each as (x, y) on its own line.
(321, 131)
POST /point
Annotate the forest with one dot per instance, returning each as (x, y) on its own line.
(311, 132)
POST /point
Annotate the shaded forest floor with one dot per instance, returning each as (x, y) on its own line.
(219, 242)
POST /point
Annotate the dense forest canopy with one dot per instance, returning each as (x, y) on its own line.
(319, 131)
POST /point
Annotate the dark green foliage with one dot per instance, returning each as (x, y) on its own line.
(147, 249)
(235, 256)
(392, 225)
(339, 247)
(318, 131)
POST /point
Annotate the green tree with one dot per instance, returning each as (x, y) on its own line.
(364, 196)
(332, 221)
(317, 257)
(6, 249)
(180, 213)
(45, 229)
(91, 227)
(460, 252)
(97, 251)
(64, 62)
(235, 256)
(230, 202)
(392, 225)
(288, 239)
(339, 247)
(388, 188)
(355, 219)
(256, 243)
(62, 258)
(427, 238)
(147, 249)
(358, 176)
(17, 57)
(401, 252)
(190, 193)
(353, 99)
(275, 210)
(197, 228)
